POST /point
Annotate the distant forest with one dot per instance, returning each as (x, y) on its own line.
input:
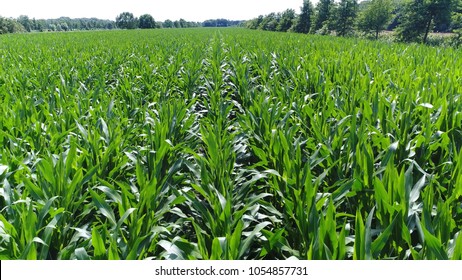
(26, 24)
(406, 21)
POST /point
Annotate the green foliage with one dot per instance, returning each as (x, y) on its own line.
(25, 22)
(456, 23)
(440, 11)
(126, 20)
(146, 21)
(269, 22)
(323, 14)
(456, 20)
(375, 17)
(221, 23)
(304, 20)
(419, 16)
(286, 20)
(8, 25)
(232, 144)
(168, 24)
(344, 17)
(254, 23)
(64, 24)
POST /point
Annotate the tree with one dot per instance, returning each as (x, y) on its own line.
(64, 26)
(221, 22)
(456, 24)
(323, 14)
(270, 22)
(254, 23)
(413, 21)
(26, 22)
(441, 11)
(286, 20)
(147, 21)
(345, 16)
(40, 25)
(183, 23)
(51, 27)
(303, 22)
(375, 17)
(418, 17)
(8, 25)
(126, 20)
(168, 24)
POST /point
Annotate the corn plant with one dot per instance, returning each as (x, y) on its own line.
(228, 144)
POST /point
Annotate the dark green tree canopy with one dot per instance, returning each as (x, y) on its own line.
(26, 22)
(286, 20)
(270, 22)
(8, 25)
(303, 22)
(168, 24)
(344, 17)
(323, 13)
(375, 16)
(254, 23)
(221, 22)
(146, 21)
(126, 20)
(419, 16)
(412, 20)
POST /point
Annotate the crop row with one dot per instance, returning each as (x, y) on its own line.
(228, 144)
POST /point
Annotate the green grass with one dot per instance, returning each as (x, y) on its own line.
(228, 144)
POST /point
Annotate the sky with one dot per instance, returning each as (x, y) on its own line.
(190, 10)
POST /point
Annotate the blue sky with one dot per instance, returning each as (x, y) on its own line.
(197, 10)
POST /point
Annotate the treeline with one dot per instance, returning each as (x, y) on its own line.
(127, 20)
(26, 24)
(410, 21)
(8, 25)
(124, 20)
(222, 23)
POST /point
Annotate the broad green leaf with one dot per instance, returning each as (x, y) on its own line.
(217, 250)
(359, 250)
(368, 235)
(103, 207)
(98, 244)
(434, 246)
(245, 245)
(457, 255)
(381, 241)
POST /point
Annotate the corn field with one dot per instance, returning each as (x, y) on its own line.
(228, 144)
